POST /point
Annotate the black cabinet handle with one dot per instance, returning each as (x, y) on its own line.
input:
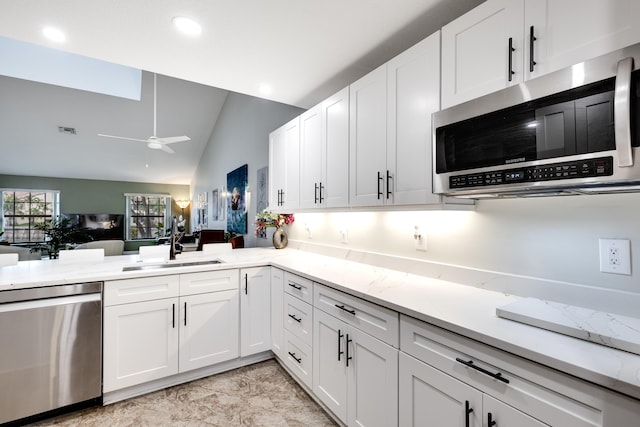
(173, 316)
(321, 197)
(295, 358)
(389, 177)
(467, 411)
(343, 308)
(294, 286)
(340, 336)
(185, 314)
(379, 191)
(293, 316)
(532, 38)
(498, 376)
(490, 421)
(510, 71)
(246, 284)
(315, 192)
(348, 357)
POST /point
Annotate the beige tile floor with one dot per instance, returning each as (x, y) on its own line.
(258, 395)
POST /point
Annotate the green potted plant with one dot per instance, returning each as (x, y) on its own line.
(58, 232)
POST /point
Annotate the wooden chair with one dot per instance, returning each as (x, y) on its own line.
(210, 236)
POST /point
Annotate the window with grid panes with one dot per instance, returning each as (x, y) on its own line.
(147, 215)
(23, 209)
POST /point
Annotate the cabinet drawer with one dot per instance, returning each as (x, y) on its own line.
(373, 319)
(545, 394)
(298, 318)
(209, 281)
(142, 289)
(298, 357)
(298, 287)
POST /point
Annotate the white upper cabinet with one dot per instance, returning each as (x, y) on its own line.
(476, 59)
(368, 140)
(571, 31)
(284, 167)
(413, 94)
(390, 122)
(324, 153)
(491, 47)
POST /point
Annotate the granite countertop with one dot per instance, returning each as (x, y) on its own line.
(462, 309)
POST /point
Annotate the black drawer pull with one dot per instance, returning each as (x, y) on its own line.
(510, 71)
(467, 411)
(342, 307)
(294, 286)
(498, 376)
(490, 421)
(295, 358)
(293, 316)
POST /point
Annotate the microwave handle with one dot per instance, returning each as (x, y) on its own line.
(622, 112)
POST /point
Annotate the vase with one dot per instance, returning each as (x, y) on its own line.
(280, 238)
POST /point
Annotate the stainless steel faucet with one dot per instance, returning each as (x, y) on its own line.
(172, 239)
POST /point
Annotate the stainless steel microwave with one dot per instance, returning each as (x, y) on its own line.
(572, 131)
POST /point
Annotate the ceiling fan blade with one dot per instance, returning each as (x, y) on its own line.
(121, 137)
(172, 139)
(167, 149)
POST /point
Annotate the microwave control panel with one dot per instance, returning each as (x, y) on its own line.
(602, 166)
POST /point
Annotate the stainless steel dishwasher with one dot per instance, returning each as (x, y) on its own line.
(50, 349)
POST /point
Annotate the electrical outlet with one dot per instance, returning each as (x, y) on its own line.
(615, 256)
(419, 239)
(308, 229)
(344, 235)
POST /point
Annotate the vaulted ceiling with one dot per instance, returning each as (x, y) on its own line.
(304, 50)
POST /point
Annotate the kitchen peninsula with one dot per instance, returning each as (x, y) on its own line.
(429, 324)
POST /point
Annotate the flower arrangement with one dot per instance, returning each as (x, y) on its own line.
(265, 219)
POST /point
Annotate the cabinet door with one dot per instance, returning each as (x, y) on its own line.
(429, 397)
(413, 94)
(502, 414)
(140, 342)
(329, 367)
(475, 51)
(368, 139)
(284, 166)
(311, 153)
(372, 381)
(335, 135)
(277, 311)
(562, 40)
(277, 166)
(255, 310)
(208, 329)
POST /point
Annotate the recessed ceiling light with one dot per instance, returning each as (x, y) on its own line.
(265, 89)
(54, 34)
(187, 25)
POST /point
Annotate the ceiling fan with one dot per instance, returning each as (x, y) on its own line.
(154, 142)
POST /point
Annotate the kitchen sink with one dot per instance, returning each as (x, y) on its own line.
(169, 265)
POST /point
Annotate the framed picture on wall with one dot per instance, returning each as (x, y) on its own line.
(237, 181)
(214, 205)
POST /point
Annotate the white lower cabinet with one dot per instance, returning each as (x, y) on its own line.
(255, 312)
(354, 374)
(140, 342)
(146, 340)
(428, 396)
(208, 329)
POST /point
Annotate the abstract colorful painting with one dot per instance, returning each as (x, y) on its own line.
(237, 182)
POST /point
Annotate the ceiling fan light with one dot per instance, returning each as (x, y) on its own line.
(154, 145)
(187, 25)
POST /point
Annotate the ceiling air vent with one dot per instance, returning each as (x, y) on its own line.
(67, 130)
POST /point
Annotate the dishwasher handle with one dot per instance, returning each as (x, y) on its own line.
(48, 302)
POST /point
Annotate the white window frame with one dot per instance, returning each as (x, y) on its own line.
(129, 198)
(55, 208)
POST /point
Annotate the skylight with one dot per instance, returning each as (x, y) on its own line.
(45, 65)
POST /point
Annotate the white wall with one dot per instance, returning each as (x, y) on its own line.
(552, 238)
(241, 135)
